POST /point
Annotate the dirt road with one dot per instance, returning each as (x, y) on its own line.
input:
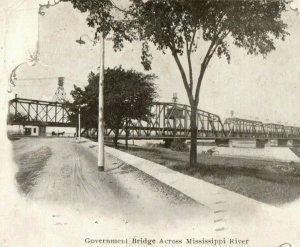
(61, 171)
(74, 202)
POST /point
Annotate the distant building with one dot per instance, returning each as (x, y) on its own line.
(34, 130)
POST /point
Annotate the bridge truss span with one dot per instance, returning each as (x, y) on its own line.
(166, 121)
(292, 132)
(244, 128)
(172, 120)
(275, 130)
(38, 112)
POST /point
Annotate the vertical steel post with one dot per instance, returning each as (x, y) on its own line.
(185, 120)
(37, 111)
(55, 116)
(16, 109)
(28, 117)
(46, 113)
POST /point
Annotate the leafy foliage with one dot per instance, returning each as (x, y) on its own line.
(19, 117)
(127, 95)
(182, 26)
(179, 145)
(179, 25)
(103, 18)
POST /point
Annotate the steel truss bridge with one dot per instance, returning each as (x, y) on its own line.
(171, 120)
(167, 121)
(38, 113)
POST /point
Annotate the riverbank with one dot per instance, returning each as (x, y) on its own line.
(269, 181)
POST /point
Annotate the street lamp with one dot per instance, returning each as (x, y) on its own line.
(79, 121)
(101, 101)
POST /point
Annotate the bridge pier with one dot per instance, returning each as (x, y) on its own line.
(271, 143)
(259, 143)
(168, 142)
(282, 142)
(254, 143)
(295, 143)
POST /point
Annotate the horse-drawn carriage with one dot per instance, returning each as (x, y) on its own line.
(58, 133)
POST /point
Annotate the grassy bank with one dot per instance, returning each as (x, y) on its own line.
(270, 182)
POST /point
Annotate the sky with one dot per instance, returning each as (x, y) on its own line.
(253, 87)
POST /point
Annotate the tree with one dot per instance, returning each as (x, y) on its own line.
(127, 96)
(19, 118)
(182, 26)
(103, 18)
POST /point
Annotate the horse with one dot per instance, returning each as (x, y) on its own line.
(61, 133)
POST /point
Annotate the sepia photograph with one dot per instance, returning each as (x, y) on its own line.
(131, 123)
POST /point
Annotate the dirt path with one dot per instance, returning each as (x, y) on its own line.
(70, 177)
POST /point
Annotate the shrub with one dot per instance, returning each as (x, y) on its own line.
(179, 145)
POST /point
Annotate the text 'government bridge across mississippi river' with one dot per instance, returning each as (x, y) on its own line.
(168, 121)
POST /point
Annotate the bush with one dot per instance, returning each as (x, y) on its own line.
(153, 145)
(179, 145)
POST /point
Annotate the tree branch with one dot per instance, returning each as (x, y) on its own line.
(183, 75)
(204, 66)
(210, 52)
(220, 21)
(118, 8)
(188, 54)
(192, 40)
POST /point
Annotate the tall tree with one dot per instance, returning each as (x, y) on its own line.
(128, 95)
(185, 26)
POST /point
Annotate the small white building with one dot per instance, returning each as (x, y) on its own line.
(30, 130)
(34, 130)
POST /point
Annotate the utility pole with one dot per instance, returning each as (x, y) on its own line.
(101, 110)
(100, 162)
(79, 126)
(79, 121)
